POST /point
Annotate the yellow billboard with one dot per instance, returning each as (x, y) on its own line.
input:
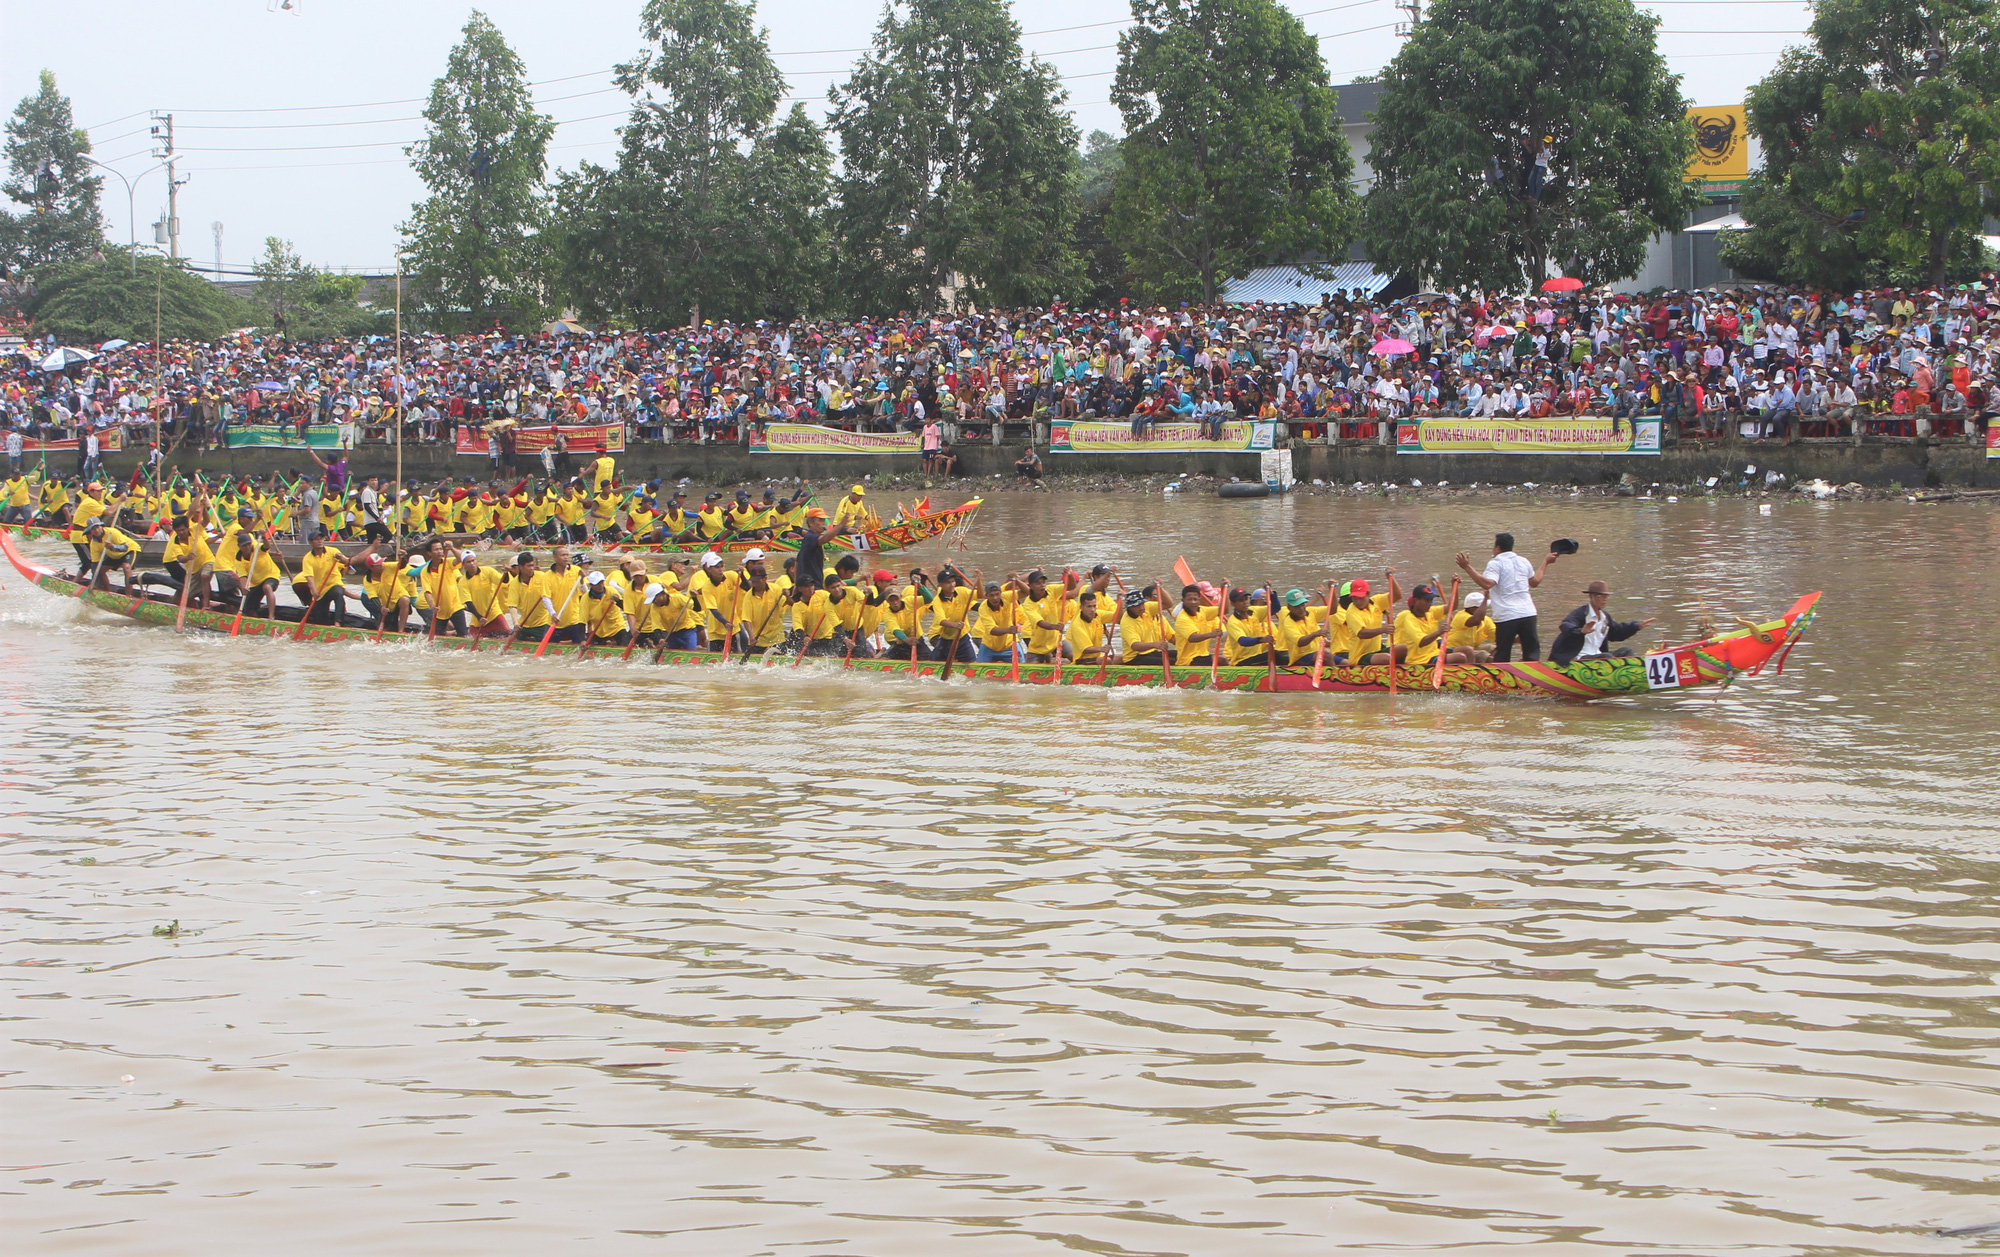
(1721, 145)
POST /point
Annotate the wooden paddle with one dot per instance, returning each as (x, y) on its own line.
(1271, 647)
(1326, 631)
(1444, 637)
(243, 595)
(574, 586)
(812, 635)
(1221, 631)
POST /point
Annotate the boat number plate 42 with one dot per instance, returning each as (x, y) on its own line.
(1670, 670)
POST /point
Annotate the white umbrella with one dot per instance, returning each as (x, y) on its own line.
(110, 345)
(64, 357)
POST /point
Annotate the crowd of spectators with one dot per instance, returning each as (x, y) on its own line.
(1752, 363)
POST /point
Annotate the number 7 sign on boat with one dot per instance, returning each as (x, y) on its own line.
(1670, 670)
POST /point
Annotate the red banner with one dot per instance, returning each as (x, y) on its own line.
(109, 441)
(582, 438)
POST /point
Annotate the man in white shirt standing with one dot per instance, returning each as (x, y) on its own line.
(1508, 578)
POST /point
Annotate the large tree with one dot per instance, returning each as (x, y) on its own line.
(100, 298)
(304, 302)
(474, 241)
(1232, 147)
(1105, 275)
(711, 206)
(48, 171)
(1476, 92)
(957, 162)
(1881, 142)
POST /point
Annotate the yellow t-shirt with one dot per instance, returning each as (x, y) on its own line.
(990, 620)
(1056, 607)
(17, 491)
(1252, 623)
(1410, 630)
(1348, 622)
(569, 509)
(115, 544)
(1084, 636)
(1464, 636)
(442, 588)
(196, 554)
(488, 591)
(1146, 626)
(762, 614)
(601, 471)
(604, 610)
(1188, 624)
(604, 510)
(319, 572)
(541, 510)
(392, 584)
(1288, 630)
(816, 615)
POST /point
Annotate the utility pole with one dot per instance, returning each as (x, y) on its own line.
(163, 146)
(216, 227)
(1415, 8)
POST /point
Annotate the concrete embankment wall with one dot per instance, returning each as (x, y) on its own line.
(1909, 463)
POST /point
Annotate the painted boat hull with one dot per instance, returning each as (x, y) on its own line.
(1716, 660)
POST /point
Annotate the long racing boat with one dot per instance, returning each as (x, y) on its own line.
(1714, 660)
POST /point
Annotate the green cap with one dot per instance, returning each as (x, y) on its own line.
(1347, 589)
(1295, 598)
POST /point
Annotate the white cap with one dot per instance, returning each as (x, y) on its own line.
(467, 556)
(1475, 600)
(754, 555)
(655, 589)
(595, 578)
(711, 559)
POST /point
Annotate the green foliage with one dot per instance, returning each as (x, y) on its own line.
(1232, 148)
(1475, 90)
(1881, 144)
(958, 160)
(305, 303)
(48, 171)
(475, 241)
(711, 208)
(91, 301)
(1105, 276)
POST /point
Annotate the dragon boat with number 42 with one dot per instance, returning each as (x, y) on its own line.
(1715, 660)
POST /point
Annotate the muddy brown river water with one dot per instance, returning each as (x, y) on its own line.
(513, 957)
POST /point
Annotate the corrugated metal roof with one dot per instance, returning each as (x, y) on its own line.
(1285, 284)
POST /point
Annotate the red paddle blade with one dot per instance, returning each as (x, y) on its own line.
(1182, 570)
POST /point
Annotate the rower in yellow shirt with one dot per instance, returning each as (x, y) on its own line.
(711, 522)
(603, 471)
(320, 583)
(603, 612)
(1358, 626)
(1249, 642)
(604, 513)
(667, 619)
(1298, 629)
(1472, 631)
(815, 616)
(1045, 615)
(1084, 638)
(1196, 624)
(441, 592)
(997, 624)
(387, 592)
(1417, 630)
(715, 591)
(951, 609)
(109, 547)
(17, 507)
(189, 558)
(853, 511)
(759, 619)
(541, 510)
(488, 595)
(570, 510)
(1143, 630)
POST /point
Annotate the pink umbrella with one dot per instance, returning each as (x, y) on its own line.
(1561, 283)
(1393, 346)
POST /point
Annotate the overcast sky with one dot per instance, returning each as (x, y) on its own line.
(292, 123)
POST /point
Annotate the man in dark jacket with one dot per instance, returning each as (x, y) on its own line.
(1588, 631)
